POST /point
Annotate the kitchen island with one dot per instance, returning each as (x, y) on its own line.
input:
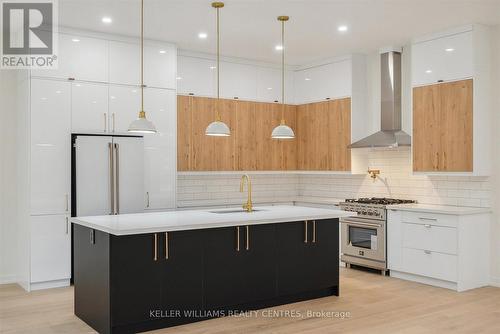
(137, 272)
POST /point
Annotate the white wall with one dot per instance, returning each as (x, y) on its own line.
(495, 235)
(8, 197)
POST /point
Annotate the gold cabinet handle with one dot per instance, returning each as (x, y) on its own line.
(147, 199)
(237, 238)
(166, 245)
(155, 253)
(305, 231)
(113, 116)
(247, 237)
(67, 225)
(314, 232)
(105, 122)
(67, 202)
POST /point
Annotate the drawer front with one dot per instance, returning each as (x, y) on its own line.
(430, 237)
(430, 218)
(430, 264)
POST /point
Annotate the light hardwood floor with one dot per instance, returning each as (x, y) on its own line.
(376, 305)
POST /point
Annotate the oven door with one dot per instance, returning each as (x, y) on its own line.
(363, 238)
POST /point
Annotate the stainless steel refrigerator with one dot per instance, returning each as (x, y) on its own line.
(108, 175)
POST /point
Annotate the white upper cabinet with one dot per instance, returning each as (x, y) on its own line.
(269, 85)
(50, 146)
(329, 81)
(80, 58)
(196, 76)
(159, 149)
(159, 64)
(238, 81)
(89, 107)
(446, 58)
(124, 107)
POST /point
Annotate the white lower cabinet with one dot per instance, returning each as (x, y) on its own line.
(450, 251)
(50, 251)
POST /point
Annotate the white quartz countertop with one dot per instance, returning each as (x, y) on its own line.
(154, 222)
(443, 209)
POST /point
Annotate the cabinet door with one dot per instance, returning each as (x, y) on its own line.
(184, 132)
(322, 255)
(50, 146)
(160, 149)
(307, 261)
(182, 288)
(89, 108)
(124, 107)
(339, 134)
(443, 59)
(159, 64)
(456, 126)
(235, 277)
(81, 58)
(196, 76)
(50, 248)
(238, 81)
(266, 151)
(426, 128)
(137, 277)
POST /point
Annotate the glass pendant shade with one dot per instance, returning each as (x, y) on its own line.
(218, 129)
(142, 125)
(283, 131)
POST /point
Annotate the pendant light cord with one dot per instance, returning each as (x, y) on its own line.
(283, 72)
(217, 113)
(142, 57)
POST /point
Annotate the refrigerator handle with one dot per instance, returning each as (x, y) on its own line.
(117, 178)
(111, 180)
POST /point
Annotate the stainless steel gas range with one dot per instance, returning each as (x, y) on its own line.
(364, 235)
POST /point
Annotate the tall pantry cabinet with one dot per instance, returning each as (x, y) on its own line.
(89, 94)
(452, 102)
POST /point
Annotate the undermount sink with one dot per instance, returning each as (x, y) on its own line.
(234, 211)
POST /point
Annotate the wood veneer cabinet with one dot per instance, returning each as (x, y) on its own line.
(442, 127)
(323, 135)
(323, 132)
(249, 147)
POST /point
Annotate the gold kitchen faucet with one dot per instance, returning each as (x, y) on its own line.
(248, 205)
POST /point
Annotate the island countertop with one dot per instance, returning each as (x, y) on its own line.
(155, 222)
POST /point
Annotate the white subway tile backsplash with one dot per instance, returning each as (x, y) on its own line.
(396, 180)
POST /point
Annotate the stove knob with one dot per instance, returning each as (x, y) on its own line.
(364, 212)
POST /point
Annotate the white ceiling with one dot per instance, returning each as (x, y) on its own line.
(250, 29)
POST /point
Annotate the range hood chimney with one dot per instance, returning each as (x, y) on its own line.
(390, 134)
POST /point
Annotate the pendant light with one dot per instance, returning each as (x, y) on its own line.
(283, 131)
(142, 124)
(218, 128)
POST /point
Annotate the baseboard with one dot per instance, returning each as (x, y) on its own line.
(8, 279)
(495, 281)
(424, 280)
(50, 284)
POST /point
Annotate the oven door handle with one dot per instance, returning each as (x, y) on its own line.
(355, 222)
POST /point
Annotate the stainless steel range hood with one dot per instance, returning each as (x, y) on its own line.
(390, 134)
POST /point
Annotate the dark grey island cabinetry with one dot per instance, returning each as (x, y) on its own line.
(139, 282)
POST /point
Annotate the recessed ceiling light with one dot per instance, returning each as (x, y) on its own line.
(278, 47)
(269, 88)
(342, 28)
(307, 79)
(134, 90)
(78, 85)
(449, 49)
(75, 40)
(107, 20)
(58, 92)
(213, 67)
(428, 71)
(43, 99)
(163, 51)
(178, 78)
(202, 35)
